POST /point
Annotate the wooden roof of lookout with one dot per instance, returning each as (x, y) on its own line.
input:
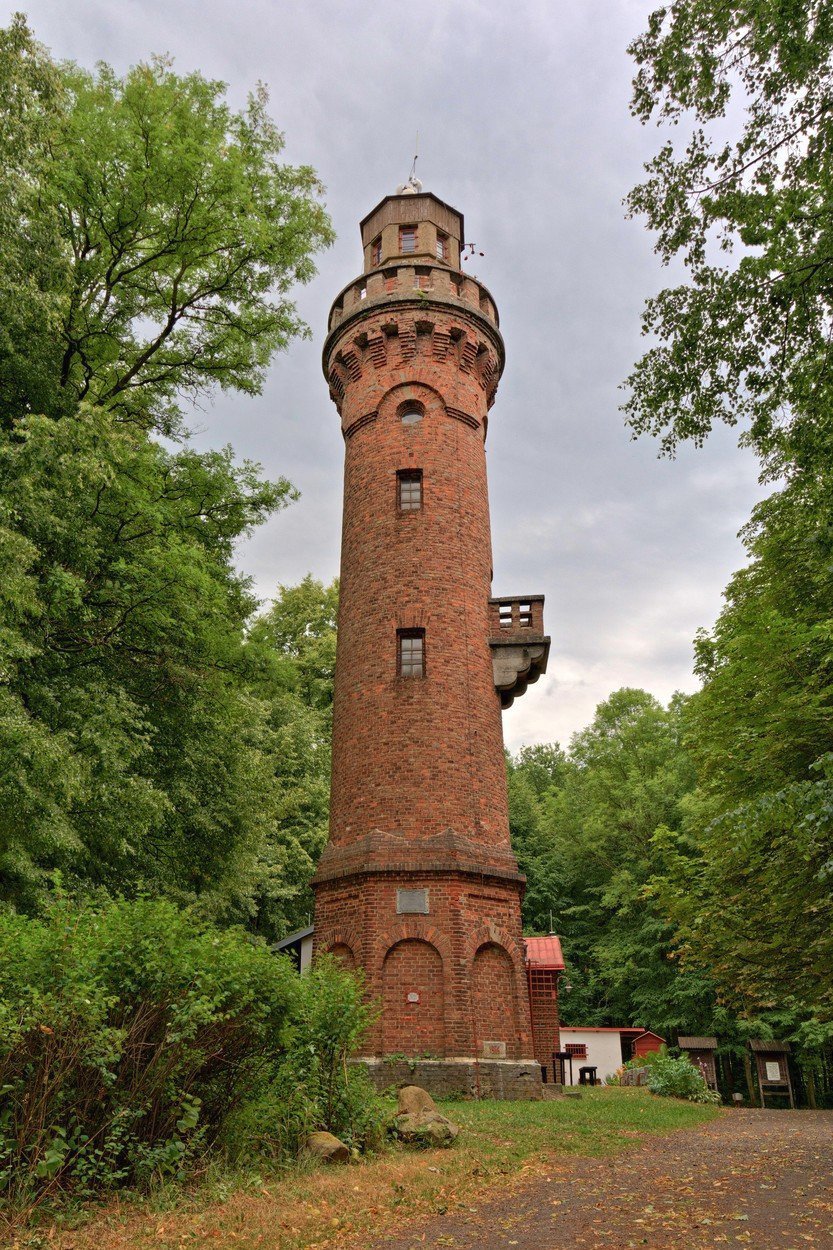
(697, 1043)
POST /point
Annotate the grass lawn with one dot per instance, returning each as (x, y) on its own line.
(345, 1207)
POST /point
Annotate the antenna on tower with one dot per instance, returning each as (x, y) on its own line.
(413, 186)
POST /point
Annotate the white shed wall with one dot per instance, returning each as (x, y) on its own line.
(604, 1050)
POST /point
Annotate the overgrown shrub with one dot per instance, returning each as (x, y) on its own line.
(317, 1087)
(128, 1033)
(678, 1078)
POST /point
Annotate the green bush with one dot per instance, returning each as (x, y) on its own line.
(678, 1078)
(648, 1059)
(318, 1087)
(128, 1033)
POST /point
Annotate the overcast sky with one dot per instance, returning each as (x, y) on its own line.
(523, 121)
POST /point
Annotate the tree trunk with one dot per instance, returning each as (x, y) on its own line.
(750, 1085)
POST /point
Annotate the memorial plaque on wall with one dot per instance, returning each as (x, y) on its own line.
(412, 902)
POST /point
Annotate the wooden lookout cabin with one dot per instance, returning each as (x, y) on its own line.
(701, 1052)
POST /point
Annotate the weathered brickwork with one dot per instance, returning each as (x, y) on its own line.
(464, 959)
(418, 785)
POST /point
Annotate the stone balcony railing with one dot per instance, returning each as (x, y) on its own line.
(396, 282)
(520, 648)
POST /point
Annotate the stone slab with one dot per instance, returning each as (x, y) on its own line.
(509, 1080)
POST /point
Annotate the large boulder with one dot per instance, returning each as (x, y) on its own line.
(418, 1121)
(326, 1148)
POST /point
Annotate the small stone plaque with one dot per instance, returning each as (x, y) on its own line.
(412, 902)
(494, 1050)
(413, 997)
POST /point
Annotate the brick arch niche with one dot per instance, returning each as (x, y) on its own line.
(405, 393)
(344, 954)
(413, 1006)
(493, 989)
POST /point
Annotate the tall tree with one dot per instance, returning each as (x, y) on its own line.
(587, 840)
(745, 200)
(752, 896)
(172, 234)
(291, 660)
(747, 205)
(151, 239)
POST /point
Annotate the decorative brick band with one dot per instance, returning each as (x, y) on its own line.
(367, 419)
(458, 415)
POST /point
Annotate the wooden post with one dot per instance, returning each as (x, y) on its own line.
(747, 1067)
(810, 1083)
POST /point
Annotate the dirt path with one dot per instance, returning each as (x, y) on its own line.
(762, 1179)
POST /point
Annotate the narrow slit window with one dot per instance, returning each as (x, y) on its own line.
(442, 246)
(411, 652)
(409, 489)
(506, 616)
(525, 615)
(376, 251)
(407, 239)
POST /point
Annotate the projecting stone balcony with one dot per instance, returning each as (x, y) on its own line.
(520, 648)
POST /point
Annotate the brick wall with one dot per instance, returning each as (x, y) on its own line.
(413, 1014)
(464, 959)
(418, 783)
(416, 756)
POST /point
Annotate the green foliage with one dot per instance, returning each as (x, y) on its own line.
(330, 1017)
(678, 1078)
(745, 201)
(315, 1087)
(648, 1059)
(586, 841)
(146, 743)
(34, 275)
(749, 887)
(290, 660)
(169, 233)
(132, 754)
(128, 1033)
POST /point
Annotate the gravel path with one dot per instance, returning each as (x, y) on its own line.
(762, 1179)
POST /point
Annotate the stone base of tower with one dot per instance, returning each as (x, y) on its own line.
(510, 1080)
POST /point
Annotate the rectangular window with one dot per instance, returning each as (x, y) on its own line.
(577, 1049)
(407, 239)
(505, 611)
(442, 246)
(409, 489)
(525, 615)
(376, 251)
(411, 652)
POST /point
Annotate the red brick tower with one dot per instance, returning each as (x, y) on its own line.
(418, 884)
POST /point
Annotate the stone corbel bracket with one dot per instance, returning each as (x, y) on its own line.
(520, 648)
